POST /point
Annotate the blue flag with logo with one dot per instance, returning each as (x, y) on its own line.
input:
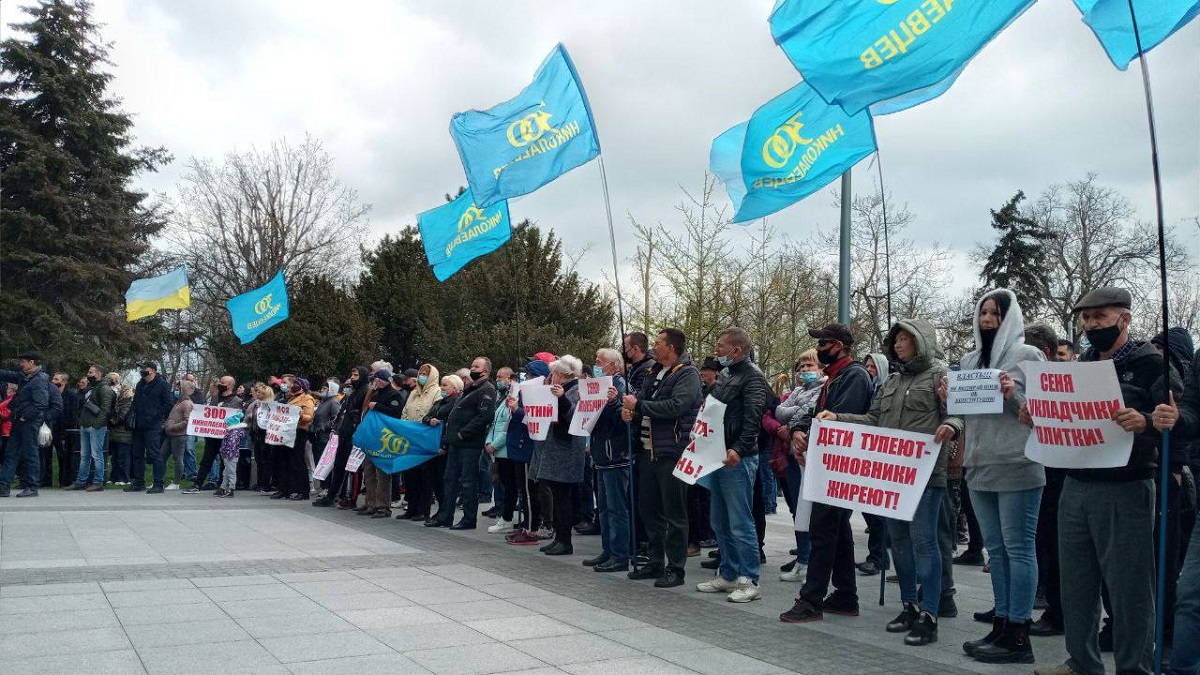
(520, 145)
(454, 234)
(394, 444)
(1112, 23)
(858, 53)
(255, 311)
(793, 145)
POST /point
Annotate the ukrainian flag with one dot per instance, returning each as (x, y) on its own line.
(147, 296)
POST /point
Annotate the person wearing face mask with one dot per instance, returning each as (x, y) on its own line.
(1005, 486)
(152, 403)
(466, 431)
(808, 383)
(418, 493)
(256, 421)
(175, 429)
(1106, 516)
(96, 405)
(559, 460)
(439, 412)
(66, 434)
(496, 445)
(225, 398)
(28, 410)
(385, 400)
(354, 391)
(848, 389)
(325, 415)
(610, 453)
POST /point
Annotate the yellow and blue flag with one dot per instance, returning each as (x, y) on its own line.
(859, 53)
(793, 145)
(520, 145)
(253, 312)
(1112, 23)
(169, 291)
(396, 445)
(454, 234)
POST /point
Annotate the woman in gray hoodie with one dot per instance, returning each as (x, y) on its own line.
(1006, 487)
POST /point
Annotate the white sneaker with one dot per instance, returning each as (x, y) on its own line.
(545, 533)
(746, 591)
(172, 486)
(398, 504)
(797, 574)
(501, 525)
(716, 585)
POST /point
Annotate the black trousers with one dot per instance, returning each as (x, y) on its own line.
(698, 515)
(564, 508)
(262, 459)
(832, 557)
(1047, 546)
(662, 499)
(461, 482)
(513, 480)
(295, 469)
(427, 484)
(877, 540)
(212, 448)
(975, 545)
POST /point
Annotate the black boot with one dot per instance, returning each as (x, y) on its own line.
(998, 625)
(904, 622)
(924, 631)
(1011, 647)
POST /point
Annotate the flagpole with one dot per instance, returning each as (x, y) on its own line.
(887, 249)
(844, 254)
(1165, 471)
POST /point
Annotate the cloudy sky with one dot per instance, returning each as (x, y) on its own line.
(377, 82)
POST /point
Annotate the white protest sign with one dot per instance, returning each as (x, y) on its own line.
(325, 464)
(1072, 405)
(208, 421)
(706, 453)
(541, 408)
(593, 396)
(974, 392)
(803, 511)
(869, 469)
(279, 420)
(355, 460)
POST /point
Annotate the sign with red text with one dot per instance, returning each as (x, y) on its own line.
(279, 420)
(328, 457)
(208, 421)
(1072, 405)
(974, 392)
(541, 408)
(706, 453)
(869, 469)
(593, 396)
(355, 460)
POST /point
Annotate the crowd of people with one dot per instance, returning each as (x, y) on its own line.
(1073, 541)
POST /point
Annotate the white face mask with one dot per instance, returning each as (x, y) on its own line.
(331, 388)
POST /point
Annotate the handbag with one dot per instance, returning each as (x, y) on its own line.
(45, 436)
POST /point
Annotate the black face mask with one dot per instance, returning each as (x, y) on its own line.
(92, 379)
(1103, 339)
(476, 374)
(826, 358)
(145, 373)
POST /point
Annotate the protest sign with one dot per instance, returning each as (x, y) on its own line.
(279, 420)
(803, 511)
(357, 457)
(869, 469)
(541, 408)
(706, 453)
(974, 392)
(325, 464)
(593, 396)
(1072, 405)
(208, 421)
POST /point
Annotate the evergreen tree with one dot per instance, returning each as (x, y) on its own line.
(72, 228)
(1019, 261)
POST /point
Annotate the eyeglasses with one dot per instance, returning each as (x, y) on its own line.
(825, 343)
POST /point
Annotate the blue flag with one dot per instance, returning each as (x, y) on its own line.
(858, 53)
(520, 145)
(396, 445)
(793, 145)
(255, 311)
(1156, 21)
(454, 234)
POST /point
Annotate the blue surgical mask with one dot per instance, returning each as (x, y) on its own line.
(283, 387)
(444, 394)
(422, 380)
(809, 376)
(597, 371)
(724, 361)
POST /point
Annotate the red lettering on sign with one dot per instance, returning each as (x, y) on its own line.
(1059, 382)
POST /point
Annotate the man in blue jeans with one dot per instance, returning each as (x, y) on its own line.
(744, 391)
(98, 402)
(610, 454)
(29, 409)
(152, 402)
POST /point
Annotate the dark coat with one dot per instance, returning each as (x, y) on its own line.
(152, 402)
(671, 406)
(31, 405)
(744, 390)
(610, 436)
(469, 420)
(562, 456)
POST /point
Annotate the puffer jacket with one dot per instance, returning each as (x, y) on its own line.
(421, 400)
(468, 423)
(307, 405)
(31, 405)
(908, 400)
(744, 390)
(671, 406)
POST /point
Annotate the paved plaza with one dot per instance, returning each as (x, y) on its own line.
(113, 583)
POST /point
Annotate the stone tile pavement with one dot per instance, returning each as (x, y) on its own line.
(180, 584)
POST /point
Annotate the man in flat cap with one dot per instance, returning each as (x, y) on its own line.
(29, 408)
(1106, 516)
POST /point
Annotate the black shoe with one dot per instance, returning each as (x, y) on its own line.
(793, 551)
(868, 568)
(220, 492)
(491, 513)
(802, 611)
(76, 486)
(710, 564)
(998, 626)
(296, 497)
(669, 579)
(645, 572)
(155, 490)
(323, 501)
(434, 522)
(1043, 628)
(463, 525)
(560, 548)
(547, 546)
(986, 617)
(947, 608)
(1039, 600)
(598, 560)
(974, 558)
(134, 487)
(762, 557)
(1011, 647)
(207, 487)
(904, 621)
(28, 492)
(835, 604)
(590, 530)
(381, 514)
(924, 631)
(278, 495)
(709, 543)
(611, 566)
(715, 553)
(789, 565)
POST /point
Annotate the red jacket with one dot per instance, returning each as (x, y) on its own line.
(6, 417)
(779, 447)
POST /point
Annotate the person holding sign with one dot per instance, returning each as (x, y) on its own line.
(610, 454)
(908, 400)
(452, 386)
(420, 401)
(558, 461)
(225, 397)
(297, 485)
(1106, 516)
(1005, 486)
(744, 391)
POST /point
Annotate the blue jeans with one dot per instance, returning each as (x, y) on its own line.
(916, 554)
(91, 451)
(23, 446)
(770, 488)
(614, 513)
(1186, 659)
(120, 462)
(733, 519)
(189, 459)
(1008, 521)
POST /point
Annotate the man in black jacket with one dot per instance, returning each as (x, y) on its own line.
(744, 391)
(152, 402)
(848, 389)
(30, 407)
(66, 435)
(662, 416)
(466, 432)
(377, 483)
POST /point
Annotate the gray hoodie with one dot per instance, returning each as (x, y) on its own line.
(881, 365)
(995, 445)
